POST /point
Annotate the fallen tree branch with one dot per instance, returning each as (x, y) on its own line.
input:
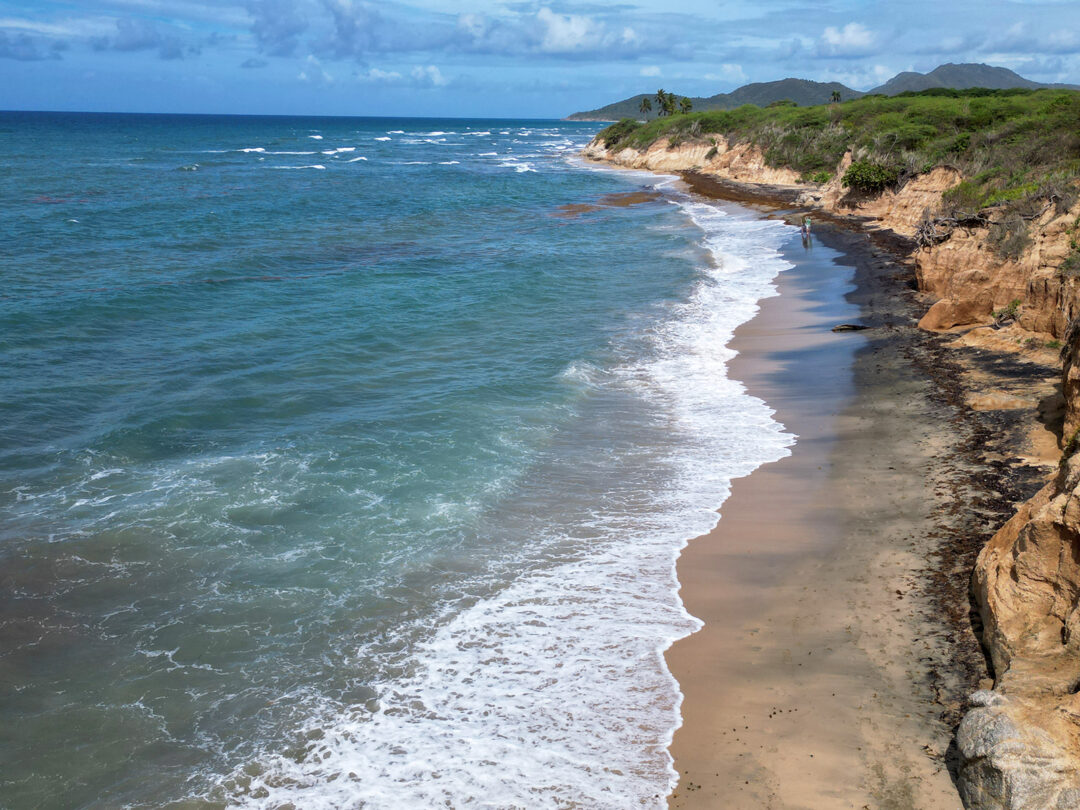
(935, 230)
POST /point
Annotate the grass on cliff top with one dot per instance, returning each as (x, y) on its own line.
(1015, 148)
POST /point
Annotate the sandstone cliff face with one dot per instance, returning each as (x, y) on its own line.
(741, 162)
(971, 280)
(1020, 743)
(901, 211)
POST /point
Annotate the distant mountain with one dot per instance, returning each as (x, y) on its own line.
(957, 77)
(804, 92)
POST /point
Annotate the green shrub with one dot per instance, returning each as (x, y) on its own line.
(619, 132)
(818, 177)
(1070, 267)
(906, 136)
(1008, 313)
(1009, 194)
(864, 175)
(957, 145)
(1009, 237)
(964, 197)
(1016, 149)
(1071, 445)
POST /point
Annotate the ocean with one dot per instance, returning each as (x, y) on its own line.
(344, 462)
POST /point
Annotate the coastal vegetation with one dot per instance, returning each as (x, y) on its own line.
(667, 103)
(806, 93)
(1018, 150)
(1070, 268)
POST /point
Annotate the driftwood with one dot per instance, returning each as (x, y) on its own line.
(935, 230)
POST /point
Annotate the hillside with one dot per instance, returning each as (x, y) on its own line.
(806, 93)
(802, 91)
(958, 77)
(1016, 148)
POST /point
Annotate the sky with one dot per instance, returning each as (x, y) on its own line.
(488, 59)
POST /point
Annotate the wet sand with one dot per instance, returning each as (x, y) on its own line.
(825, 673)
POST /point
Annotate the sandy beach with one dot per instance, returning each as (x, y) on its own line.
(826, 671)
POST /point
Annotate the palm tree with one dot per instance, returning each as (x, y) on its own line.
(645, 107)
(666, 101)
(685, 104)
(836, 96)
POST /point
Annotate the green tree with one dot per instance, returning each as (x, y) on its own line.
(645, 107)
(685, 105)
(869, 176)
(836, 96)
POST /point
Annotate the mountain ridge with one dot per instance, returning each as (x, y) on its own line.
(806, 92)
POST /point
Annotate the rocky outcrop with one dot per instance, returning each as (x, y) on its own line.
(968, 277)
(901, 210)
(1020, 744)
(971, 280)
(741, 162)
(1016, 756)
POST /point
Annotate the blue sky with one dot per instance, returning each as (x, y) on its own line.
(473, 58)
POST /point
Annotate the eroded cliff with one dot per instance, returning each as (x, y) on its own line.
(1020, 743)
(970, 278)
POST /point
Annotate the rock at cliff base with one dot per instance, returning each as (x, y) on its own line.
(1008, 762)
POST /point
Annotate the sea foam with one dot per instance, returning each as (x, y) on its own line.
(554, 692)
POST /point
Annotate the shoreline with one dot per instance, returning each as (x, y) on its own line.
(806, 562)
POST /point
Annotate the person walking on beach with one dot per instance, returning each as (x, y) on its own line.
(806, 227)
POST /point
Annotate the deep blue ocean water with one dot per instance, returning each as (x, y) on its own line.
(344, 462)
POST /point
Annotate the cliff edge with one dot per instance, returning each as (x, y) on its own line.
(1020, 742)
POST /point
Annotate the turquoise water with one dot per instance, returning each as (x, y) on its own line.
(341, 466)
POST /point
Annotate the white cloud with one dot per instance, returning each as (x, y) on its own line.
(179, 10)
(314, 72)
(380, 76)
(651, 70)
(577, 35)
(428, 76)
(566, 33)
(854, 39)
(419, 76)
(473, 25)
(1063, 41)
(729, 72)
(861, 77)
(64, 28)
